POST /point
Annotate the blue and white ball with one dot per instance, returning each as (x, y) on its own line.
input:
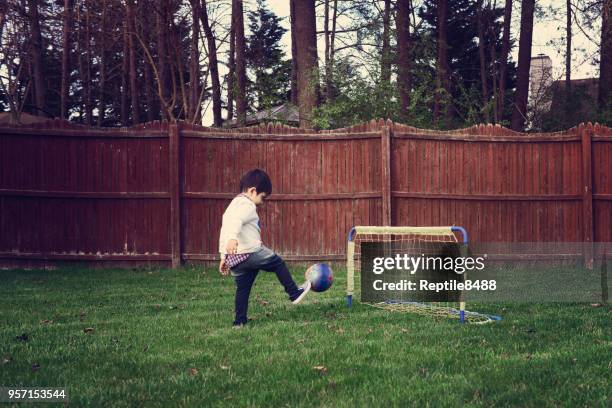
(320, 276)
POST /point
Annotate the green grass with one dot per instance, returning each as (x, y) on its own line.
(164, 338)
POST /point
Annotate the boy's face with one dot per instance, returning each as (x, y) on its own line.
(254, 196)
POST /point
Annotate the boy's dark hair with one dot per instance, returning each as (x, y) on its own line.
(256, 178)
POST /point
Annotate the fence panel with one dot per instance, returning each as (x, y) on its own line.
(322, 185)
(82, 194)
(602, 183)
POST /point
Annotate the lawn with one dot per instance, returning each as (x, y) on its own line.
(163, 338)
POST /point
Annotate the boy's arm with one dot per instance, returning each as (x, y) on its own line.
(223, 267)
(232, 246)
(232, 224)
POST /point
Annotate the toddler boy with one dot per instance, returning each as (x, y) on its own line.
(242, 251)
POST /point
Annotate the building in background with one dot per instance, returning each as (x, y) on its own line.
(23, 118)
(286, 113)
(550, 107)
(540, 81)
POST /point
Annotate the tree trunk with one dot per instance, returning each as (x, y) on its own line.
(519, 113)
(404, 75)
(605, 61)
(326, 34)
(385, 63)
(3, 12)
(213, 67)
(152, 108)
(88, 58)
(149, 84)
(178, 68)
(194, 115)
(294, 63)
(494, 78)
(568, 50)
(102, 67)
(442, 97)
(238, 13)
(493, 59)
(80, 62)
(306, 37)
(503, 63)
(231, 75)
(162, 60)
(483, 60)
(66, 25)
(125, 68)
(332, 53)
(36, 55)
(133, 73)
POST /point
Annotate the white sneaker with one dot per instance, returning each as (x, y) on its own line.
(304, 289)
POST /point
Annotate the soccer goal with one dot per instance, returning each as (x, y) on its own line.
(369, 245)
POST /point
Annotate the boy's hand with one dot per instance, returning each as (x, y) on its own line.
(232, 246)
(223, 268)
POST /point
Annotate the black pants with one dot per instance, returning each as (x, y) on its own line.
(246, 272)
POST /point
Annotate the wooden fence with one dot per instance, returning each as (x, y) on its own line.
(156, 192)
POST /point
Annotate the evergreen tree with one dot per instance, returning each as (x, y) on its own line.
(463, 53)
(264, 56)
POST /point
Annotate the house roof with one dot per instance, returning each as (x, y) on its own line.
(6, 118)
(286, 113)
(586, 87)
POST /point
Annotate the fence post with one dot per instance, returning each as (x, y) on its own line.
(586, 133)
(175, 193)
(386, 174)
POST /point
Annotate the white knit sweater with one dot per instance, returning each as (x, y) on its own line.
(240, 222)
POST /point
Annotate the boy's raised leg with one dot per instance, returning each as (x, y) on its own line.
(276, 264)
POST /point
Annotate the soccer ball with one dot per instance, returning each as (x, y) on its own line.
(320, 277)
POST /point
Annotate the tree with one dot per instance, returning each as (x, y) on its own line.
(264, 57)
(166, 96)
(307, 67)
(503, 64)
(144, 35)
(84, 57)
(358, 100)
(36, 50)
(212, 65)
(102, 64)
(66, 23)
(355, 29)
(492, 69)
(240, 46)
(404, 74)
(134, 88)
(15, 83)
(519, 112)
(231, 75)
(605, 60)
(459, 94)
(568, 48)
(194, 62)
(385, 60)
(328, 68)
(482, 57)
(294, 64)
(442, 99)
